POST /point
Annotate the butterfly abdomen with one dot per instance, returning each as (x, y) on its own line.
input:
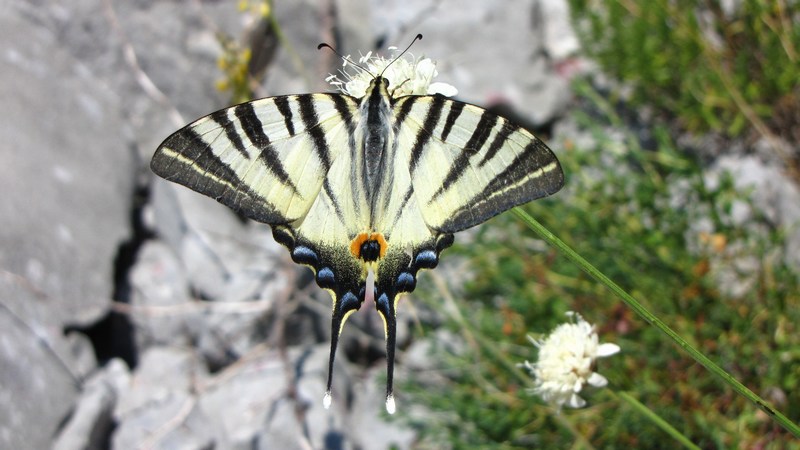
(377, 137)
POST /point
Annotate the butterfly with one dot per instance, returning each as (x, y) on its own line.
(366, 191)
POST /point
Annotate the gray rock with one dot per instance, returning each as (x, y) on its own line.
(367, 425)
(69, 165)
(158, 409)
(219, 278)
(242, 398)
(162, 372)
(263, 403)
(512, 60)
(67, 174)
(776, 196)
(160, 302)
(302, 68)
(79, 353)
(90, 424)
(38, 388)
(170, 422)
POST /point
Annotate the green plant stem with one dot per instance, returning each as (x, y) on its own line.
(656, 419)
(651, 319)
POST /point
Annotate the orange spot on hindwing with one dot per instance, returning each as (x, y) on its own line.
(368, 247)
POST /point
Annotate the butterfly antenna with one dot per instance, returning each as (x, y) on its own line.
(345, 58)
(416, 38)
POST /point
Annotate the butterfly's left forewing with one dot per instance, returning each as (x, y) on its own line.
(267, 159)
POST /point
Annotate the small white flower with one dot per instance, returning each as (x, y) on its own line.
(566, 362)
(406, 75)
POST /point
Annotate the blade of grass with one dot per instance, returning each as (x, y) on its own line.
(651, 319)
(655, 418)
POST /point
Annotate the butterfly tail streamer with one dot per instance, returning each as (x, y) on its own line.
(342, 307)
(326, 400)
(386, 308)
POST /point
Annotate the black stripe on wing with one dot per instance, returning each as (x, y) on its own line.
(426, 130)
(473, 147)
(282, 103)
(308, 114)
(254, 130)
(186, 158)
(222, 119)
(519, 183)
(343, 107)
(499, 139)
(337, 208)
(402, 208)
(452, 116)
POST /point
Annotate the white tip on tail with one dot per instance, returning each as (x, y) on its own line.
(326, 400)
(390, 407)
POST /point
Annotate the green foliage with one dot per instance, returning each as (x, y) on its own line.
(233, 62)
(634, 215)
(726, 71)
(240, 69)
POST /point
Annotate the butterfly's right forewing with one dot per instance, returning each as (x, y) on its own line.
(467, 164)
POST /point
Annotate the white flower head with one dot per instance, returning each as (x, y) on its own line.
(566, 363)
(407, 75)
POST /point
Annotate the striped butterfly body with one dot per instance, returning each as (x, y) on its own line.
(366, 191)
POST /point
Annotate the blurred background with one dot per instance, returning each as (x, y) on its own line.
(137, 314)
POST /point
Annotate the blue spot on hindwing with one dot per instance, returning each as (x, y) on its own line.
(406, 282)
(326, 278)
(382, 303)
(426, 259)
(304, 255)
(349, 302)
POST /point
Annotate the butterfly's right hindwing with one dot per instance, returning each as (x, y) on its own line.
(266, 159)
(468, 164)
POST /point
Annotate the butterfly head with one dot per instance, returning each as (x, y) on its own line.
(378, 86)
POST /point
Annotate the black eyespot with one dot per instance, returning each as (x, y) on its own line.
(370, 250)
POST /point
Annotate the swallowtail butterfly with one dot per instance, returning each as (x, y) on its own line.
(365, 191)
